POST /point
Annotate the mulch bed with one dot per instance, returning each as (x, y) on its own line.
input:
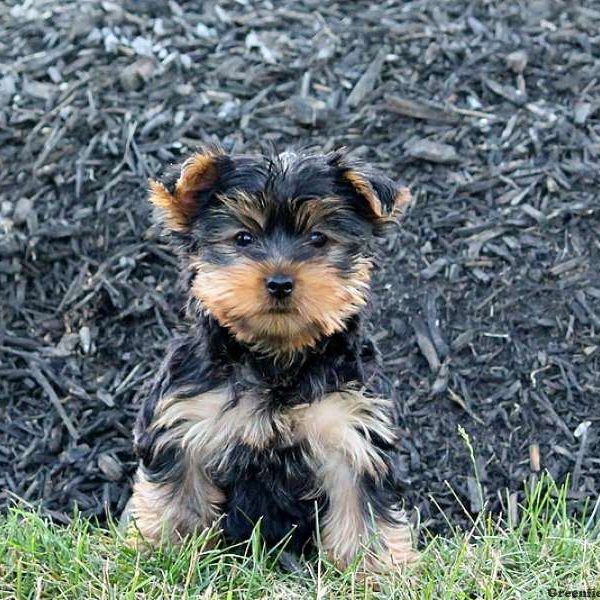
(488, 300)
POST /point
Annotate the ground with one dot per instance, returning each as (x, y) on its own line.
(488, 297)
(544, 555)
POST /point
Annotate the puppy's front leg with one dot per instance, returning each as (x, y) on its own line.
(172, 509)
(172, 495)
(351, 439)
(359, 521)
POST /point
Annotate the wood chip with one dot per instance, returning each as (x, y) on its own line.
(366, 83)
(534, 457)
(433, 152)
(420, 110)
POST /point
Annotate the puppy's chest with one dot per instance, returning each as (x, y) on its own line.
(217, 427)
(216, 430)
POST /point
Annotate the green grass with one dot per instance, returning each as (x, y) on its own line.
(545, 550)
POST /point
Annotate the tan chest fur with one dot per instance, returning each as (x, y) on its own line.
(336, 427)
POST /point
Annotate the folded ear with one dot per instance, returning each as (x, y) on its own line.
(384, 200)
(177, 204)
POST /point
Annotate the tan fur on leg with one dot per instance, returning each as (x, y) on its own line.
(346, 531)
(343, 528)
(395, 543)
(162, 511)
(337, 429)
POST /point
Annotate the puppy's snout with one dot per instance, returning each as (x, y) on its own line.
(279, 286)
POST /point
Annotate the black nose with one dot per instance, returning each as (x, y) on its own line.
(280, 286)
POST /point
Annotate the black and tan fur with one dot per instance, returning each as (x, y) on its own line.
(266, 408)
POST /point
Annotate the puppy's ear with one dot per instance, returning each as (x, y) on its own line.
(176, 201)
(382, 199)
(385, 200)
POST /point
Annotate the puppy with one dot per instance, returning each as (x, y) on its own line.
(263, 409)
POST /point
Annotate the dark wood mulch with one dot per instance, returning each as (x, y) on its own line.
(488, 308)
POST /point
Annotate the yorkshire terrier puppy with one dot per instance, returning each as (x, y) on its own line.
(264, 408)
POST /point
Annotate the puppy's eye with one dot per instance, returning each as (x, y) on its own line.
(318, 239)
(243, 238)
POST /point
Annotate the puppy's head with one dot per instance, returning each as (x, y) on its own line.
(279, 247)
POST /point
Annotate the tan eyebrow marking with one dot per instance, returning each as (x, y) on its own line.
(252, 211)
